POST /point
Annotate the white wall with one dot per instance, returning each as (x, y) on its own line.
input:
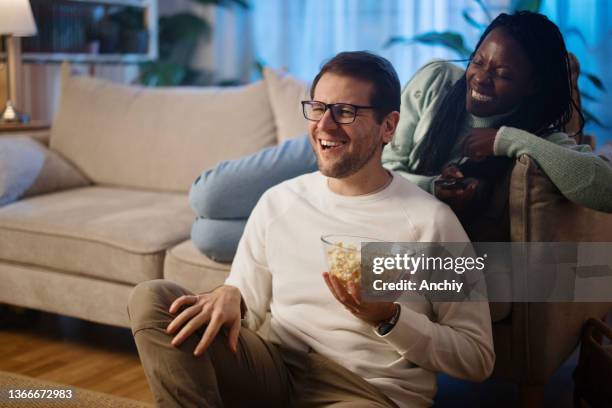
(41, 84)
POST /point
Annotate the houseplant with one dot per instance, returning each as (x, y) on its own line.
(178, 38)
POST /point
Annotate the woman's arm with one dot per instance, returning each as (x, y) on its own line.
(417, 109)
(580, 175)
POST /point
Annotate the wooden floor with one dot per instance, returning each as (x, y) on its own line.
(72, 352)
(104, 359)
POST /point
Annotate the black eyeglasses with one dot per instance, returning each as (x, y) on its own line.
(342, 113)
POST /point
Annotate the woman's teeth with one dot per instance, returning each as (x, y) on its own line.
(480, 97)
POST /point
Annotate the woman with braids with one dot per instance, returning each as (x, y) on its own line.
(514, 98)
(458, 135)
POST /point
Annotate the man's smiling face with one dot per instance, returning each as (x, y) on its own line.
(344, 149)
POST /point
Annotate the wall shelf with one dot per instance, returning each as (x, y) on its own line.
(93, 31)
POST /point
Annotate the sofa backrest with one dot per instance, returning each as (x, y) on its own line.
(157, 138)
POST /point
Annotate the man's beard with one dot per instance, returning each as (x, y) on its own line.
(346, 166)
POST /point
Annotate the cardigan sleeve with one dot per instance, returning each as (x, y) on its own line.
(418, 106)
(580, 175)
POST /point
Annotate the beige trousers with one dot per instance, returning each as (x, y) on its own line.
(260, 374)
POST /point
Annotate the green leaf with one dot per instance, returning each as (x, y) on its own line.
(395, 40)
(589, 117)
(448, 39)
(159, 73)
(529, 5)
(588, 97)
(179, 35)
(470, 20)
(197, 77)
(259, 66)
(594, 79)
(575, 31)
(180, 26)
(229, 82)
(485, 9)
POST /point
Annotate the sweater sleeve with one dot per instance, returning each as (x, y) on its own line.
(424, 182)
(458, 341)
(418, 103)
(578, 173)
(250, 272)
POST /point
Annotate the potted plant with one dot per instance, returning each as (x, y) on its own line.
(179, 35)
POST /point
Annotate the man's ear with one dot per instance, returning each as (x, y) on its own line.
(389, 125)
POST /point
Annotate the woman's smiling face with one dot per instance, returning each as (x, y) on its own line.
(499, 76)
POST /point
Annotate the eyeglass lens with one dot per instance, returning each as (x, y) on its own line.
(341, 113)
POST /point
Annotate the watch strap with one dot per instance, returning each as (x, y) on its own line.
(386, 326)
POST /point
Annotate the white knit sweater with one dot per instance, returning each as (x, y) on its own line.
(279, 265)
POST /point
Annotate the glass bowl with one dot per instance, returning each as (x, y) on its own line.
(343, 255)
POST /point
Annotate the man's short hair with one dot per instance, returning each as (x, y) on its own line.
(371, 68)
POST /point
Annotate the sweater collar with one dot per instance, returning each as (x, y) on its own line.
(494, 121)
(379, 194)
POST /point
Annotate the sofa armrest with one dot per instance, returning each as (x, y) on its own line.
(536, 208)
(545, 334)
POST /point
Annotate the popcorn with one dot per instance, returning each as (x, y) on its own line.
(345, 262)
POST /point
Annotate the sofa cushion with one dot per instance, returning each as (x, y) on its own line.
(286, 93)
(27, 168)
(157, 138)
(107, 233)
(188, 267)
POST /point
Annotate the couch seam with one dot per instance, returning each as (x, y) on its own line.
(178, 258)
(97, 241)
(48, 269)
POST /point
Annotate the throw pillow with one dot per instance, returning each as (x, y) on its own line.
(28, 168)
(286, 93)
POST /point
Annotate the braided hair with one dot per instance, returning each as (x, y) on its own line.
(547, 111)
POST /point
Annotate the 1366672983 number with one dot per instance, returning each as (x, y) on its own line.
(33, 393)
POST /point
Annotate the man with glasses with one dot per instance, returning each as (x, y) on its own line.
(326, 345)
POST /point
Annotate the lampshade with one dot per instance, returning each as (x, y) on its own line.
(16, 18)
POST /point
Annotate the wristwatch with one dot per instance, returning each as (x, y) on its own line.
(386, 326)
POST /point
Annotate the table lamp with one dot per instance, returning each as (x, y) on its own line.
(16, 20)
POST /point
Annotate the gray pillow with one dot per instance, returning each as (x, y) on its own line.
(28, 168)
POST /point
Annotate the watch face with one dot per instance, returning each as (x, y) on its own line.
(384, 328)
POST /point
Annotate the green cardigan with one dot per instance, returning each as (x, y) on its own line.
(579, 174)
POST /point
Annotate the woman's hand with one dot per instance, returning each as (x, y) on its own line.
(216, 309)
(350, 296)
(478, 144)
(459, 197)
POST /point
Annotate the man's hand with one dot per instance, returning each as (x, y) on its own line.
(219, 308)
(478, 144)
(458, 198)
(370, 312)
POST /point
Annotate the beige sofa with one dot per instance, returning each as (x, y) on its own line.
(79, 252)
